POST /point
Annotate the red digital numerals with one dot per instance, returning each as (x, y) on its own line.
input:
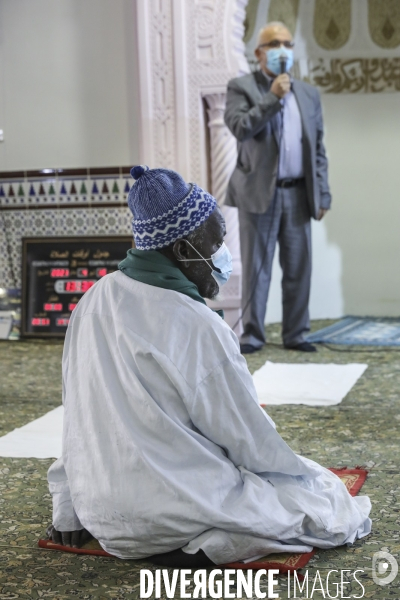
(36, 322)
(72, 286)
(82, 272)
(86, 285)
(59, 273)
(62, 322)
(101, 272)
(72, 305)
(52, 307)
(78, 286)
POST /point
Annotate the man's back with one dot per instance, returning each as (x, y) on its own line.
(134, 357)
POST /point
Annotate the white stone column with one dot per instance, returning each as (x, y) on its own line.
(223, 159)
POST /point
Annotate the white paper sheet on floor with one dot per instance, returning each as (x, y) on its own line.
(310, 384)
(40, 438)
(276, 383)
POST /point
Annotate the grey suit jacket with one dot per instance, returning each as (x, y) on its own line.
(250, 108)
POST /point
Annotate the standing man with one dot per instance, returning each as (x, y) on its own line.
(279, 183)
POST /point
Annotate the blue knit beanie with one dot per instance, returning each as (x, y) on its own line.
(165, 208)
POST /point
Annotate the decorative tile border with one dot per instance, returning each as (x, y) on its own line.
(60, 187)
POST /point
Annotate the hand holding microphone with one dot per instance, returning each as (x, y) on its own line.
(281, 84)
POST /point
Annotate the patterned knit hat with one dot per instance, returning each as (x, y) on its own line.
(165, 208)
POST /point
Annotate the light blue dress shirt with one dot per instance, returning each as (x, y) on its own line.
(291, 147)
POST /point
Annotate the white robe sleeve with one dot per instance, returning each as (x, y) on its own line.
(64, 516)
(225, 409)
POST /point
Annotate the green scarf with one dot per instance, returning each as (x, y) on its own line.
(153, 268)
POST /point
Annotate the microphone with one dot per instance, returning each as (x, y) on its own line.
(282, 63)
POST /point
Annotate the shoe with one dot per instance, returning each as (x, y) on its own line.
(248, 349)
(303, 347)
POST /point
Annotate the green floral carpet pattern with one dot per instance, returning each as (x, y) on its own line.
(362, 430)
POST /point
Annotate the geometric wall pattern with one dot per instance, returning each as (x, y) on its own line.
(59, 203)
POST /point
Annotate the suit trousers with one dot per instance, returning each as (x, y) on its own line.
(287, 221)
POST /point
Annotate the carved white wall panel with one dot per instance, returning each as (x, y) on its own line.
(156, 80)
(235, 50)
(223, 159)
(164, 138)
(223, 146)
(143, 19)
(215, 55)
(186, 49)
(181, 67)
(187, 52)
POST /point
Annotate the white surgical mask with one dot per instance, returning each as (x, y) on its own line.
(222, 259)
(274, 56)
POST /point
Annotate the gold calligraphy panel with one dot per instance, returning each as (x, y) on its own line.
(332, 23)
(250, 19)
(355, 75)
(285, 11)
(384, 22)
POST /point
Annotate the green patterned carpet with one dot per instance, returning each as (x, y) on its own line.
(363, 430)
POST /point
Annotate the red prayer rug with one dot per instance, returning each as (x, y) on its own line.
(353, 480)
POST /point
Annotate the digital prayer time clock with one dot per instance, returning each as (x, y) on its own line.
(56, 272)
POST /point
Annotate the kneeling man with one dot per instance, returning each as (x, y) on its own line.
(166, 450)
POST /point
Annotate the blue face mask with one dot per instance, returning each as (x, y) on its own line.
(222, 259)
(273, 59)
